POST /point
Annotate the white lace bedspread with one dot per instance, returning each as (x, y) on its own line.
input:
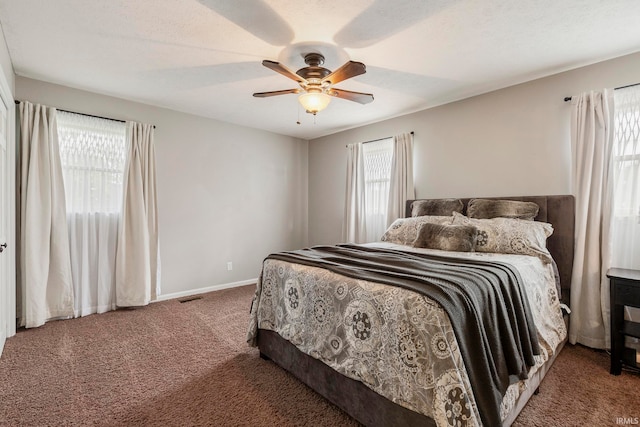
(397, 342)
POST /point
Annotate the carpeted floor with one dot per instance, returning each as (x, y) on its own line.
(187, 364)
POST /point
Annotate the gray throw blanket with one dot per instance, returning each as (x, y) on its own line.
(488, 309)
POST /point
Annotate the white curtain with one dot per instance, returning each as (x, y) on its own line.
(401, 187)
(354, 229)
(92, 151)
(45, 266)
(592, 145)
(137, 254)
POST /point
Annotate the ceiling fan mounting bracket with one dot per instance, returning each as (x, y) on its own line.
(314, 59)
(314, 70)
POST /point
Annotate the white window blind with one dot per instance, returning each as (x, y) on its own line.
(92, 152)
(626, 179)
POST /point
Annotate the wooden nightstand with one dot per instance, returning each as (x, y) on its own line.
(625, 290)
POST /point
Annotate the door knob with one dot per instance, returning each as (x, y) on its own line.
(3, 247)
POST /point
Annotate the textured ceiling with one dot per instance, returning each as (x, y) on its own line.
(204, 56)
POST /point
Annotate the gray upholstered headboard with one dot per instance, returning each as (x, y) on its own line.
(559, 211)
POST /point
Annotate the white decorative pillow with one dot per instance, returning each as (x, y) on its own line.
(510, 236)
(404, 231)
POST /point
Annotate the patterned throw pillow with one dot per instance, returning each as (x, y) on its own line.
(436, 207)
(510, 236)
(487, 208)
(404, 231)
(458, 238)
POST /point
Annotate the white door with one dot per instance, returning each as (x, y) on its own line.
(4, 221)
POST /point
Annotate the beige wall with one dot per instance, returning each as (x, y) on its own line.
(514, 141)
(225, 192)
(229, 193)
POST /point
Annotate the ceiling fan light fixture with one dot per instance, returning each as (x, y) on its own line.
(314, 102)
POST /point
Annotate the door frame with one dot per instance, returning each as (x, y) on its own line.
(6, 97)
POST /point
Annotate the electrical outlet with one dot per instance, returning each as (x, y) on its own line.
(229, 266)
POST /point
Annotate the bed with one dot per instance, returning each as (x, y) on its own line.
(388, 354)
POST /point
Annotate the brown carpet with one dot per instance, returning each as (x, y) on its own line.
(187, 364)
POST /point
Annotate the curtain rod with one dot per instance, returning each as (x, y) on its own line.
(380, 139)
(568, 98)
(88, 115)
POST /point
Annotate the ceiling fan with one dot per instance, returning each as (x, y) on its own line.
(316, 82)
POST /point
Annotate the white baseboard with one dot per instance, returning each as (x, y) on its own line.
(204, 290)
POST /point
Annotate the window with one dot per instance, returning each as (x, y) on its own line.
(377, 157)
(626, 179)
(93, 158)
(92, 152)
